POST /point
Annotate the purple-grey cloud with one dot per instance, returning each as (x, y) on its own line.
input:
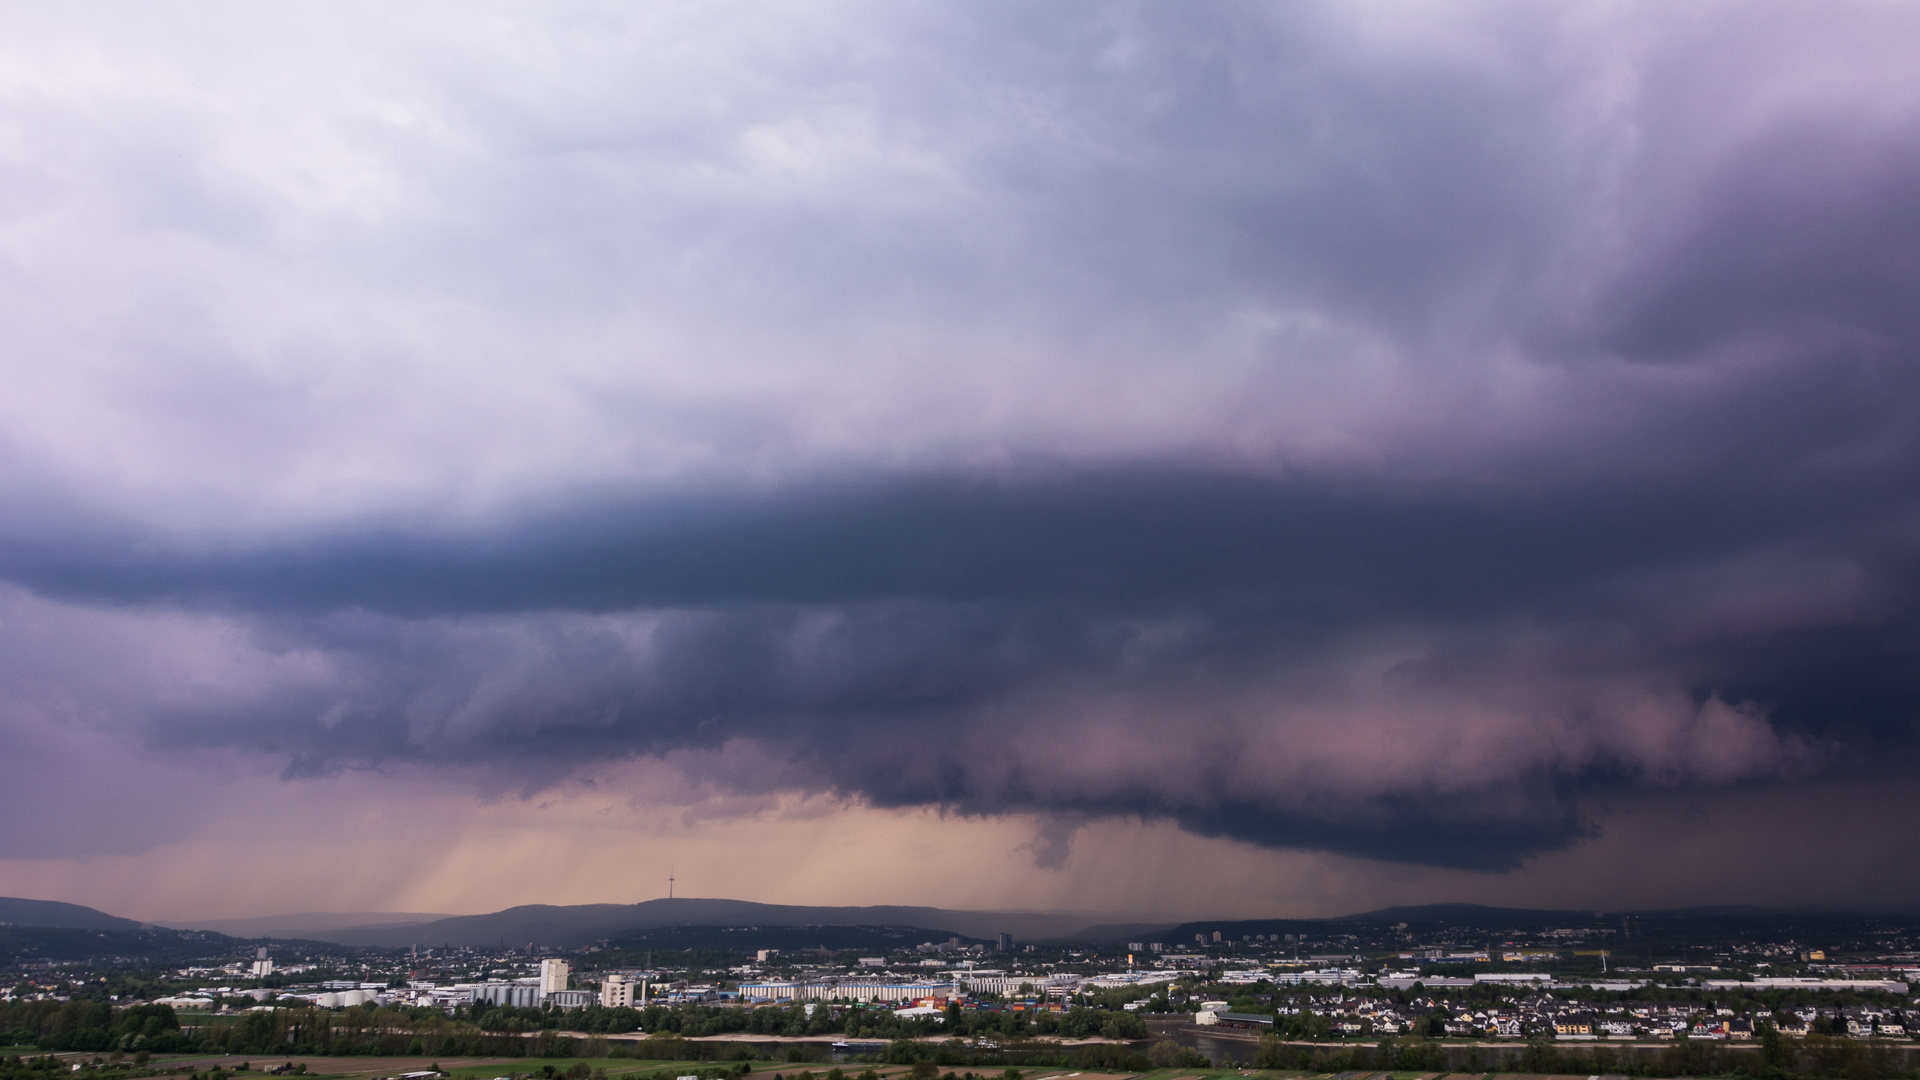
(1381, 432)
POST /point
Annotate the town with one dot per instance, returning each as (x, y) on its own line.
(1617, 995)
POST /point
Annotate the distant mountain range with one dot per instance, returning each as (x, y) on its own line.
(745, 924)
(309, 924)
(584, 924)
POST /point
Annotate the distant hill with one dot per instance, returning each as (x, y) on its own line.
(309, 924)
(791, 940)
(60, 944)
(582, 924)
(33, 930)
(53, 913)
(1107, 933)
(733, 921)
(1468, 915)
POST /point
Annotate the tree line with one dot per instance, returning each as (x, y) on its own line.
(1777, 1057)
(497, 1031)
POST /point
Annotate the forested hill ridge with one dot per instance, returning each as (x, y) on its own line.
(15, 911)
(55, 930)
(572, 926)
(582, 924)
(66, 944)
(48, 930)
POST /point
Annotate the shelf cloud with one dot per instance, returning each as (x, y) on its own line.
(1380, 431)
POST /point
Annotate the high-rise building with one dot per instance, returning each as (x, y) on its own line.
(1006, 942)
(553, 976)
(616, 992)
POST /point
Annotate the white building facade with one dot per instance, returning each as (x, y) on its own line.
(616, 992)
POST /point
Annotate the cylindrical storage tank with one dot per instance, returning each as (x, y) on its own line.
(327, 1001)
(354, 997)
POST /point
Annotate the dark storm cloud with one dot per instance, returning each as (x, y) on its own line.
(1380, 433)
(902, 642)
(1120, 539)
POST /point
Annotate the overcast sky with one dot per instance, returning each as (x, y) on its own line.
(1180, 459)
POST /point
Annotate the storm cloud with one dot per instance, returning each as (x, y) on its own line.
(1382, 430)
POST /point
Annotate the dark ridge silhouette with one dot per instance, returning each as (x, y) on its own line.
(582, 924)
(53, 914)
